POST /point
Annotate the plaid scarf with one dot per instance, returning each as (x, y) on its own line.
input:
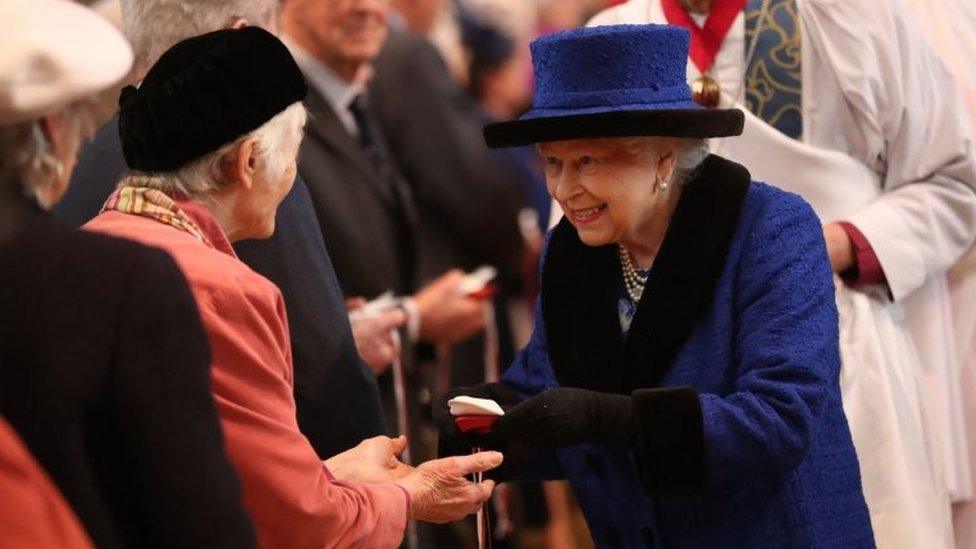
(154, 204)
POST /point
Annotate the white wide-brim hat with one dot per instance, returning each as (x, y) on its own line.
(53, 52)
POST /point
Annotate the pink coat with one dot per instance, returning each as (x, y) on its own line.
(33, 513)
(294, 500)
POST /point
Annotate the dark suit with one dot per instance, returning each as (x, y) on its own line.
(366, 214)
(336, 394)
(468, 202)
(367, 219)
(105, 375)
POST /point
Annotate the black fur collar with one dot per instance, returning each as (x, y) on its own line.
(579, 289)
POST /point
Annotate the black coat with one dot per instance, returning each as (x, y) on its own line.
(331, 383)
(105, 375)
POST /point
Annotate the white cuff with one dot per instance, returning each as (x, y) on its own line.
(413, 318)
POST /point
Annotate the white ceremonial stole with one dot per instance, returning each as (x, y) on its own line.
(832, 182)
(950, 27)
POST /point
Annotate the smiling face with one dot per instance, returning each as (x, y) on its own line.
(609, 188)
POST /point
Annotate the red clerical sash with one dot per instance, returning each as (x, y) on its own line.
(705, 41)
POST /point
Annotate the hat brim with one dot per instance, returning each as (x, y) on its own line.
(694, 123)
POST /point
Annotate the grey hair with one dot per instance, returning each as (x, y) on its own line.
(25, 152)
(154, 26)
(206, 175)
(691, 152)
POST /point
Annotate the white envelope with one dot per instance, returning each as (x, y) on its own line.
(474, 282)
(469, 406)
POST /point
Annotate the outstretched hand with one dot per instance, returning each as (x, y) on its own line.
(372, 460)
(440, 491)
(563, 416)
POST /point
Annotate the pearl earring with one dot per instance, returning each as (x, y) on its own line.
(663, 186)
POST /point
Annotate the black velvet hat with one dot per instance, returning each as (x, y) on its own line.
(203, 93)
(613, 81)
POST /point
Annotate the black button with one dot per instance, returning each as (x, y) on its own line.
(612, 536)
(594, 463)
(648, 536)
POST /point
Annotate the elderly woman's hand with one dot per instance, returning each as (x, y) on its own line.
(372, 460)
(564, 416)
(439, 491)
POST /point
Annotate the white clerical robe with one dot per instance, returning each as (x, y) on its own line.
(885, 148)
(950, 27)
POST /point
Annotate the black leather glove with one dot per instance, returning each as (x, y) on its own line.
(451, 441)
(564, 416)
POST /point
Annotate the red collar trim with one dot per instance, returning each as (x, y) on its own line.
(707, 40)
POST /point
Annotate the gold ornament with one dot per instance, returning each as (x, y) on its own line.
(706, 91)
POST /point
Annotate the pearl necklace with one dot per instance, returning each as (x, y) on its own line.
(633, 281)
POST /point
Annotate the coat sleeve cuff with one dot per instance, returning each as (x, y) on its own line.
(867, 268)
(670, 441)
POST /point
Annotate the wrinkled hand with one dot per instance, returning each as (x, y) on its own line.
(564, 416)
(439, 491)
(374, 335)
(447, 315)
(372, 460)
(839, 247)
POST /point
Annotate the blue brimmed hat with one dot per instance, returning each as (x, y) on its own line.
(613, 81)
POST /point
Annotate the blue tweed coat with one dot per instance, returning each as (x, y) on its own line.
(733, 361)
